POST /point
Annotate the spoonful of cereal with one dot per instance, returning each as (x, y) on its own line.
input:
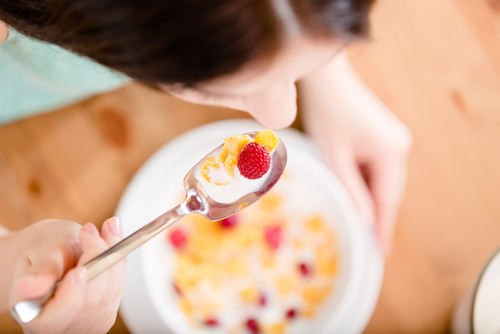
(227, 180)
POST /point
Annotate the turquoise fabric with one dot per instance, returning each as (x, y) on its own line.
(37, 77)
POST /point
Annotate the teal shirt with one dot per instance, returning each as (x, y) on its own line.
(38, 77)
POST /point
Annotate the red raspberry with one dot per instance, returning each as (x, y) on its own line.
(304, 269)
(262, 300)
(291, 313)
(253, 326)
(176, 288)
(178, 238)
(254, 161)
(230, 221)
(273, 236)
(212, 322)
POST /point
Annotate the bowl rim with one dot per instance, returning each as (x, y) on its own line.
(301, 143)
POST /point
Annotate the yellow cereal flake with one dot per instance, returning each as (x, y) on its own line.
(207, 243)
(248, 235)
(297, 243)
(237, 268)
(250, 294)
(267, 138)
(278, 328)
(309, 311)
(268, 258)
(284, 285)
(186, 306)
(230, 164)
(188, 273)
(216, 258)
(210, 162)
(200, 223)
(326, 261)
(270, 201)
(313, 295)
(315, 224)
(221, 183)
(231, 152)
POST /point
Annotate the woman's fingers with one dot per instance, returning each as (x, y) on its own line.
(58, 313)
(91, 243)
(346, 169)
(112, 231)
(58, 248)
(43, 265)
(32, 286)
(388, 179)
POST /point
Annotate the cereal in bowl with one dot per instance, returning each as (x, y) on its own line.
(262, 270)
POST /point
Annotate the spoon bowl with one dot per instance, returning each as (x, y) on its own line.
(197, 201)
(200, 202)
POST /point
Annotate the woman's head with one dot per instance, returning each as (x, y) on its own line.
(189, 43)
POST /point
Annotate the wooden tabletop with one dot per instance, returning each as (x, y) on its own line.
(436, 64)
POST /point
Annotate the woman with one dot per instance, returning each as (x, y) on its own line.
(242, 54)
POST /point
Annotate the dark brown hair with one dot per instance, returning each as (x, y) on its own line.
(178, 41)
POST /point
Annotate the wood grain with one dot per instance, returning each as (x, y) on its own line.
(75, 163)
(436, 64)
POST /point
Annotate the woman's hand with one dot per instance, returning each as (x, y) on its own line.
(363, 142)
(53, 251)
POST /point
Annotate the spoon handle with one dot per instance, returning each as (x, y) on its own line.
(132, 242)
(26, 311)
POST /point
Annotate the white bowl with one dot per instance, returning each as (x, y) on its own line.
(147, 304)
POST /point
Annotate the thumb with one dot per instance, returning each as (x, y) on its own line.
(40, 277)
(47, 260)
(389, 178)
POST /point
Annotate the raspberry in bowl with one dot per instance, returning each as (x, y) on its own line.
(269, 273)
(162, 277)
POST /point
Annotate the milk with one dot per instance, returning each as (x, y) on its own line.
(224, 188)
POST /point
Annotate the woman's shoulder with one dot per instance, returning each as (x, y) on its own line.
(36, 76)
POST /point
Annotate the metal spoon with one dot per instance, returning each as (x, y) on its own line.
(197, 201)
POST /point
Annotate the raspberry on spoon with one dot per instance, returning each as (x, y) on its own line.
(254, 161)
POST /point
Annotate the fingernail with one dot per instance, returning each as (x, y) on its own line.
(80, 276)
(89, 227)
(115, 226)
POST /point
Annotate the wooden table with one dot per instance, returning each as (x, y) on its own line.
(436, 64)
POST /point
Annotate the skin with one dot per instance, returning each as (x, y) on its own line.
(265, 89)
(49, 250)
(362, 142)
(4, 31)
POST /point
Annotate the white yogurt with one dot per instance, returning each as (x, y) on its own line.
(224, 188)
